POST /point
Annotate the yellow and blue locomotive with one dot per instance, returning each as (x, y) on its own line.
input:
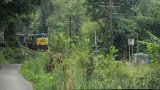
(37, 41)
(34, 41)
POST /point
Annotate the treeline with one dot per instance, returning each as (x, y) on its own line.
(11, 11)
(82, 18)
(71, 62)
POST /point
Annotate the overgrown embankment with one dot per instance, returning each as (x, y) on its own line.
(78, 68)
(12, 55)
(81, 70)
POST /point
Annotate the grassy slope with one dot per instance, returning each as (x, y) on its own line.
(104, 75)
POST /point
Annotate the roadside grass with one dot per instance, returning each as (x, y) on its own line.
(2, 59)
(12, 56)
(33, 70)
(78, 72)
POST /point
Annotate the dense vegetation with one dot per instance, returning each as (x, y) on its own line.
(11, 12)
(71, 61)
(80, 70)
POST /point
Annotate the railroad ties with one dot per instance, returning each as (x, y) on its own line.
(30, 51)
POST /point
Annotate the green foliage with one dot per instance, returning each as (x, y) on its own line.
(11, 10)
(34, 70)
(152, 46)
(59, 42)
(13, 55)
(2, 59)
(66, 14)
(112, 53)
(89, 27)
(81, 70)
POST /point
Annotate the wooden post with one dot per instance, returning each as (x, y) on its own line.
(137, 47)
(70, 28)
(2, 38)
(129, 53)
(110, 21)
(126, 55)
(132, 52)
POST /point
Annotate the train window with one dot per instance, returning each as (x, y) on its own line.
(41, 35)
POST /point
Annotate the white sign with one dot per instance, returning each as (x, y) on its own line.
(131, 42)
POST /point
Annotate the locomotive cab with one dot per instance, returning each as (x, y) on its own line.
(42, 41)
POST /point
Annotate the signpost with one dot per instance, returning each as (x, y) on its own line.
(130, 43)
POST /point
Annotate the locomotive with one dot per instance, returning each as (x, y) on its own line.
(34, 41)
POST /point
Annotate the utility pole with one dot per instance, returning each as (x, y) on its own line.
(70, 28)
(137, 48)
(95, 42)
(137, 44)
(109, 8)
(49, 38)
(2, 36)
(110, 11)
(2, 42)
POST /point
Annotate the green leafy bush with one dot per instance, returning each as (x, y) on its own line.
(59, 42)
(14, 55)
(34, 70)
(2, 59)
(83, 70)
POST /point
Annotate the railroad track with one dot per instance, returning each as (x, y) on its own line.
(30, 51)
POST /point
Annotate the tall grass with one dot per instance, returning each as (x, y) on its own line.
(78, 68)
(12, 55)
(83, 71)
(2, 59)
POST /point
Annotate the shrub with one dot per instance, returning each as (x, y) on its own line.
(14, 55)
(2, 59)
(82, 70)
(59, 42)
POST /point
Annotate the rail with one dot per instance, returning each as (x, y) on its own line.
(29, 50)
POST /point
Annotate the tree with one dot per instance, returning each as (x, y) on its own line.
(46, 10)
(11, 10)
(123, 14)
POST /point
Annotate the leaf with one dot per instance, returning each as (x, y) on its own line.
(119, 87)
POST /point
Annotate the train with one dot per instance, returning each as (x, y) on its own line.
(34, 41)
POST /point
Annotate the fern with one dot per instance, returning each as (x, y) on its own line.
(149, 43)
(153, 46)
(156, 40)
(153, 37)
